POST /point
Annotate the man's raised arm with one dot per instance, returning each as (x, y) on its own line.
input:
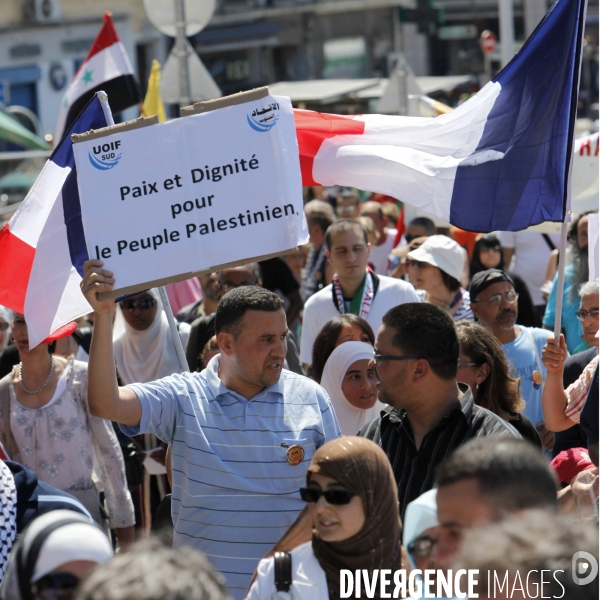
(106, 399)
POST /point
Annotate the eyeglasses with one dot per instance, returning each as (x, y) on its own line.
(379, 358)
(422, 546)
(496, 299)
(144, 303)
(418, 264)
(582, 314)
(464, 364)
(3, 325)
(346, 210)
(334, 497)
(56, 586)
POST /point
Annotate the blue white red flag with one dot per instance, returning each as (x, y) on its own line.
(500, 161)
(42, 248)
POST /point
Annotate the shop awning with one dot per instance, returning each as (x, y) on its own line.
(12, 131)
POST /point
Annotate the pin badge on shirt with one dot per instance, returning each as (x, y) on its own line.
(294, 455)
(536, 377)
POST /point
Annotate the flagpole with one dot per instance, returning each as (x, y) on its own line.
(183, 364)
(560, 284)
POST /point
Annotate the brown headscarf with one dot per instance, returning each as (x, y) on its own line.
(363, 468)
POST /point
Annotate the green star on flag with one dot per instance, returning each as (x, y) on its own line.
(87, 76)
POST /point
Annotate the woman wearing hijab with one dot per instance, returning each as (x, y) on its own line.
(54, 553)
(338, 330)
(144, 351)
(353, 503)
(46, 425)
(351, 382)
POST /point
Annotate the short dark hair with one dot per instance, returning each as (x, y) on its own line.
(426, 223)
(512, 473)
(326, 341)
(426, 331)
(531, 543)
(343, 226)
(450, 282)
(151, 570)
(234, 305)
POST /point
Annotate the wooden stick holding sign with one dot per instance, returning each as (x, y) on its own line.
(183, 363)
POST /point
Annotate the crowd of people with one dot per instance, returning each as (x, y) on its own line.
(387, 397)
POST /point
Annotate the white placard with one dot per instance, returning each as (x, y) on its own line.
(593, 250)
(194, 193)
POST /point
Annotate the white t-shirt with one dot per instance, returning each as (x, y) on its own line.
(319, 308)
(379, 254)
(530, 258)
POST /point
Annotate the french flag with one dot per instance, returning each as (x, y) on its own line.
(42, 248)
(500, 161)
(106, 67)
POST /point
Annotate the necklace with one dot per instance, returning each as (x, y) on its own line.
(20, 373)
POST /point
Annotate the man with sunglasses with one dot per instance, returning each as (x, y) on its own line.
(429, 414)
(242, 432)
(494, 304)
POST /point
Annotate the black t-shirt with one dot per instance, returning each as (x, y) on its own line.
(526, 428)
(9, 358)
(276, 275)
(573, 437)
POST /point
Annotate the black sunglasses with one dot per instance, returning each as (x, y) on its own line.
(335, 497)
(57, 585)
(422, 546)
(142, 303)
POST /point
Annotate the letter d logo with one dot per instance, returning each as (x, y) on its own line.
(584, 567)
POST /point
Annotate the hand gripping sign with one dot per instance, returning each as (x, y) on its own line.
(220, 186)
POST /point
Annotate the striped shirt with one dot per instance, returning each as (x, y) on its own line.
(234, 493)
(415, 469)
(577, 392)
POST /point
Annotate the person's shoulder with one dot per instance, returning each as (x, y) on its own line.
(394, 284)
(486, 423)
(582, 358)
(297, 381)
(203, 321)
(539, 334)
(321, 297)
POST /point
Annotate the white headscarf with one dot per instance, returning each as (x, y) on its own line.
(350, 418)
(421, 514)
(7, 315)
(144, 356)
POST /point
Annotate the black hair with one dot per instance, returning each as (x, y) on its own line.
(320, 218)
(489, 240)
(343, 226)
(425, 331)
(326, 341)
(234, 305)
(512, 473)
(426, 223)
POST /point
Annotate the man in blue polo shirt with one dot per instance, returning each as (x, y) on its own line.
(242, 432)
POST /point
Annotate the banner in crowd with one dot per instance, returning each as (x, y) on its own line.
(500, 161)
(163, 202)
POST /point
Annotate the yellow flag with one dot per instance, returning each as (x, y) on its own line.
(153, 104)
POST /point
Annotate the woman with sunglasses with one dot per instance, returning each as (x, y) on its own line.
(54, 553)
(351, 381)
(144, 351)
(487, 254)
(353, 505)
(435, 268)
(45, 425)
(485, 369)
(420, 533)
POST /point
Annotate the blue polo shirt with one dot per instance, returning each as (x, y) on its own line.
(234, 492)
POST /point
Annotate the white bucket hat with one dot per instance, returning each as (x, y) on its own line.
(441, 252)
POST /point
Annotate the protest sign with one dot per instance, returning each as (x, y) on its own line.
(168, 201)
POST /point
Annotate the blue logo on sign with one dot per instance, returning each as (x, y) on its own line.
(104, 157)
(265, 119)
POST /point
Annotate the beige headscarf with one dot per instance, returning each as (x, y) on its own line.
(362, 467)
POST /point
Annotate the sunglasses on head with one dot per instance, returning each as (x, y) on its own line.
(335, 497)
(144, 303)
